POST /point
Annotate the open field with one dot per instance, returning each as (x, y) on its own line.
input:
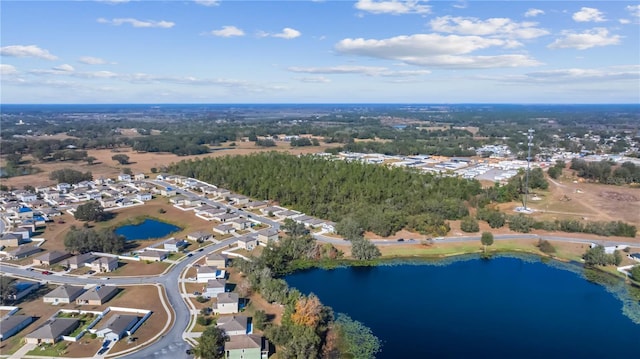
(104, 166)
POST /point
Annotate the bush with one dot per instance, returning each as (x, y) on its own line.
(201, 299)
(204, 321)
(469, 225)
(546, 247)
(635, 273)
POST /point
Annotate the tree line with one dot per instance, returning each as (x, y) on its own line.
(380, 199)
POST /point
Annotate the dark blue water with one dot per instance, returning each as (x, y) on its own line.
(498, 308)
(146, 230)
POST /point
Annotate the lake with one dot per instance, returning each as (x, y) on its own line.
(148, 229)
(503, 307)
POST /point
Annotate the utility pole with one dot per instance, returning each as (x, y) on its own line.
(530, 144)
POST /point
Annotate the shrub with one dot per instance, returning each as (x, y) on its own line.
(546, 247)
(469, 225)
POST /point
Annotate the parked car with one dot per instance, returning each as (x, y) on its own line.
(46, 272)
(400, 239)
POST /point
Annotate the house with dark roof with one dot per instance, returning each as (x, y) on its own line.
(50, 258)
(117, 327)
(234, 325)
(52, 331)
(63, 294)
(10, 239)
(199, 236)
(175, 245)
(97, 295)
(247, 242)
(224, 229)
(226, 303)
(248, 346)
(267, 234)
(153, 256)
(23, 252)
(13, 324)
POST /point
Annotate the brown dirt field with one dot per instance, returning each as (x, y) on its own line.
(104, 166)
(135, 268)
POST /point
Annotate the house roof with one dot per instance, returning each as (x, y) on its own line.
(216, 256)
(249, 341)
(152, 253)
(228, 297)
(207, 269)
(119, 323)
(224, 227)
(268, 232)
(82, 258)
(9, 236)
(12, 321)
(24, 250)
(54, 329)
(104, 260)
(65, 291)
(246, 239)
(98, 293)
(233, 323)
(216, 283)
(53, 256)
(199, 234)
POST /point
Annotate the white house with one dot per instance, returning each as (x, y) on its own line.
(206, 273)
(226, 303)
(214, 287)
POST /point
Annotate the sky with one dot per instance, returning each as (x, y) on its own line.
(319, 51)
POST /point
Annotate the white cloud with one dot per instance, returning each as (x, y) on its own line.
(64, 68)
(589, 14)
(288, 33)
(435, 50)
(533, 12)
(313, 79)
(207, 2)
(624, 21)
(395, 7)
(7, 70)
(598, 36)
(572, 75)
(26, 51)
(228, 31)
(138, 23)
(89, 60)
(502, 27)
(634, 10)
(365, 70)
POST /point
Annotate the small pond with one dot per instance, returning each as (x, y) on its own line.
(148, 229)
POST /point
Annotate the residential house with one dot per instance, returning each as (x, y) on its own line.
(272, 209)
(329, 226)
(108, 202)
(153, 256)
(124, 177)
(104, 264)
(234, 325)
(214, 287)
(23, 231)
(257, 204)
(224, 229)
(224, 217)
(27, 197)
(248, 242)
(80, 260)
(139, 176)
(24, 213)
(199, 236)
(221, 192)
(178, 200)
(240, 223)
(248, 346)
(50, 258)
(63, 187)
(175, 245)
(10, 239)
(64, 294)
(217, 260)
(23, 289)
(23, 252)
(52, 331)
(226, 303)
(205, 273)
(238, 199)
(11, 325)
(168, 192)
(117, 327)
(288, 214)
(97, 295)
(144, 196)
(267, 234)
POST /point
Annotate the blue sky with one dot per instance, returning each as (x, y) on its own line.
(304, 51)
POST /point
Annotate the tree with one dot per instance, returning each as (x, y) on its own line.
(308, 311)
(358, 339)
(211, 344)
(127, 171)
(71, 176)
(486, 239)
(363, 249)
(469, 225)
(7, 290)
(121, 159)
(546, 247)
(90, 211)
(260, 319)
(90, 160)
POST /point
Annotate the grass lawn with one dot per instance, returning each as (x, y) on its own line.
(56, 350)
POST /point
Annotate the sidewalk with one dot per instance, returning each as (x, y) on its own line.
(22, 352)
